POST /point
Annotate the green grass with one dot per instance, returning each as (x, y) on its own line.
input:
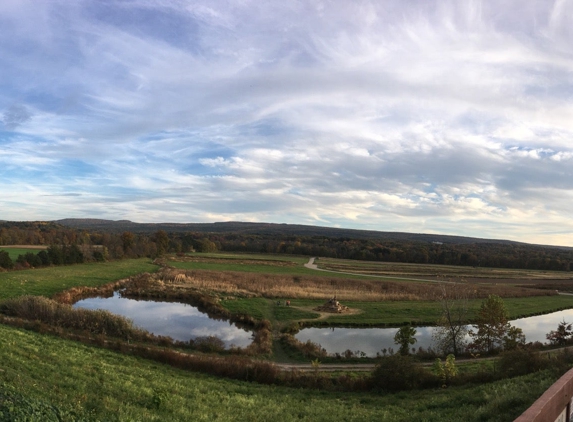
(527, 306)
(288, 313)
(232, 262)
(238, 266)
(262, 308)
(400, 312)
(387, 312)
(51, 280)
(256, 307)
(15, 252)
(44, 374)
(246, 256)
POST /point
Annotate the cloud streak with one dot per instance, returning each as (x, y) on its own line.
(425, 116)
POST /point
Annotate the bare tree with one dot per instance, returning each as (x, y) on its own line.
(449, 335)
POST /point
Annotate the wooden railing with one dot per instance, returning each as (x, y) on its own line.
(554, 405)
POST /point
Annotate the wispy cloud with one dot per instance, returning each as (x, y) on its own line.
(424, 116)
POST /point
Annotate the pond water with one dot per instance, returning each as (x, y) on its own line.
(373, 340)
(176, 320)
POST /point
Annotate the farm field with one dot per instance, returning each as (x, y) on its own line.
(51, 280)
(63, 380)
(16, 250)
(273, 264)
(440, 272)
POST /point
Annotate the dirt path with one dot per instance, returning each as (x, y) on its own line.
(312, 266)
(324, 315)
(327, 367)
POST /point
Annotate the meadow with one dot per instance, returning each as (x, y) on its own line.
(51, 280)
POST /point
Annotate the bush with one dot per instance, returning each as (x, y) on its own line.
(308, 349)
(5, 260)
(209, 344)
(397, 372)
(521, 362)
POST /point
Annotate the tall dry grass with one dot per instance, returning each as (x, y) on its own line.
(316, 287)
(47, 311)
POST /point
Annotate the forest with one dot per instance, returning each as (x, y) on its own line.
(72, 244)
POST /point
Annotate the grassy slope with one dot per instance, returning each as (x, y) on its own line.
(48, 281)
(97, 384)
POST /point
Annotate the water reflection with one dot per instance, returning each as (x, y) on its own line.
(176, 320)
(535, 328)
(373, 340)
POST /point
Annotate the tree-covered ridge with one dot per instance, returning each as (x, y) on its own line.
(113, 244)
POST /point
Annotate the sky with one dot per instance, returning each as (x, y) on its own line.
(424, 116)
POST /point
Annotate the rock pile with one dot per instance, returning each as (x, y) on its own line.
(332, 306)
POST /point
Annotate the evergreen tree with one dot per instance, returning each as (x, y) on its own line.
(5, 260)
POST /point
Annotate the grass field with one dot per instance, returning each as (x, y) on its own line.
(45, 378)
(51, 280)
(262, 264)
(14, 252)
(438, 271)
(385, 312)
(262, 308)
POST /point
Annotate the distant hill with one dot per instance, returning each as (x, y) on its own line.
(267, 229)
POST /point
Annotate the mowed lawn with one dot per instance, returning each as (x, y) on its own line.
(50, 280)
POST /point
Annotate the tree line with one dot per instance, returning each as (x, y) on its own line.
(127, 244)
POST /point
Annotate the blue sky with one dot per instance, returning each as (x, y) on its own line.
(426, 116)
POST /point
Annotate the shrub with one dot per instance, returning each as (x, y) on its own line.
(397, 372)
(5, 260)
(209, 344)
(50, 312)
(308, 349)
(521, 362)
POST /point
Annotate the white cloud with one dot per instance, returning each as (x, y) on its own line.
(451, 117)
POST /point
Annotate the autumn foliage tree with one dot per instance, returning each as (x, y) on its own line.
(560, 336)
(492, 325)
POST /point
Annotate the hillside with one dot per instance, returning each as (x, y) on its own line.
(267, 229)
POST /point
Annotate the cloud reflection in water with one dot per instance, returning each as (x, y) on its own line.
(176, 320)
(373, 340)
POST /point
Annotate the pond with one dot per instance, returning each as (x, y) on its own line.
(372, 340)
(177, 320)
